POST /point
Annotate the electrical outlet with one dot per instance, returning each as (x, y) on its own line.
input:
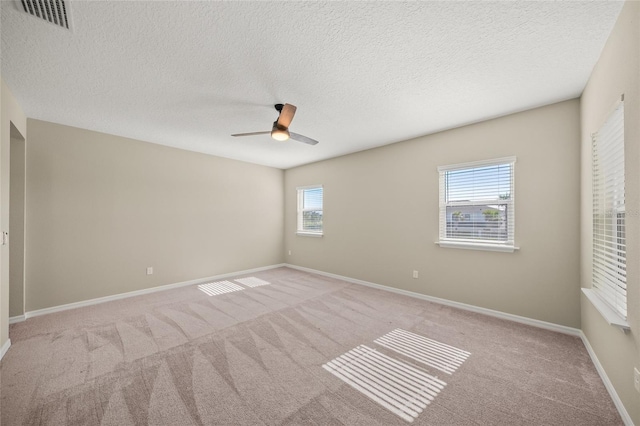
(636, 379)
(415, 274)
(289, 252)
(150, 270)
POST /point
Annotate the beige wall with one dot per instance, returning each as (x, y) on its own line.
(16, 227)
(13, 123)
(617, 72)
(381, 216)
(101, 208)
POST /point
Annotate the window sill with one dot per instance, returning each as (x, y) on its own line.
(477, 246)
(610, 315)
(308, 234)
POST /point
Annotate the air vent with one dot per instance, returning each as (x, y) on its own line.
(53, 11)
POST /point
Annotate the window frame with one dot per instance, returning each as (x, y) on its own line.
(473, 243)
(609, 183)
(300, 211)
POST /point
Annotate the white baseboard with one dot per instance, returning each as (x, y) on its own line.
(503, 315)
(98, 300)
(18, 318)
(5, 348)
(626, 418)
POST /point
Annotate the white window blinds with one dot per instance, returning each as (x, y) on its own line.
(310, 200)
(477, 202)
(609, 239)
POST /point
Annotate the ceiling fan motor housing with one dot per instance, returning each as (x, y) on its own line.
(279, 132)
(280, 129)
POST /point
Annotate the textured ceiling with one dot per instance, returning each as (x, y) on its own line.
(362, 74)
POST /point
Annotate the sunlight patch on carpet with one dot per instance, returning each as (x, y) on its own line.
(427, 351)
(400, 388)
(219, 287)
(252, 281)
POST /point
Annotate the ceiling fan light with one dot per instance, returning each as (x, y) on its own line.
(280, 134)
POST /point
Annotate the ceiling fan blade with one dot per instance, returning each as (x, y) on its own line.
(252, 133)
(303, 139)
(286, 115)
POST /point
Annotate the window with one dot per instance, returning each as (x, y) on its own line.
(609, 274)
(310, 210)
(477, 205)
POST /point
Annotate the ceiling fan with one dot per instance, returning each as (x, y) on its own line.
(280, 130)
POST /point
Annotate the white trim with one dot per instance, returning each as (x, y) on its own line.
(5, 348)
(480, 163)
(309, 234)
(609, 254)
(477, 246)
(444, 203)
(611, 316)
(298, 188)
(18, 318)
(497, 314)
(119, 296)
(626, 418)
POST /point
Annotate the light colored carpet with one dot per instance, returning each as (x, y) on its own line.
(303, 349)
